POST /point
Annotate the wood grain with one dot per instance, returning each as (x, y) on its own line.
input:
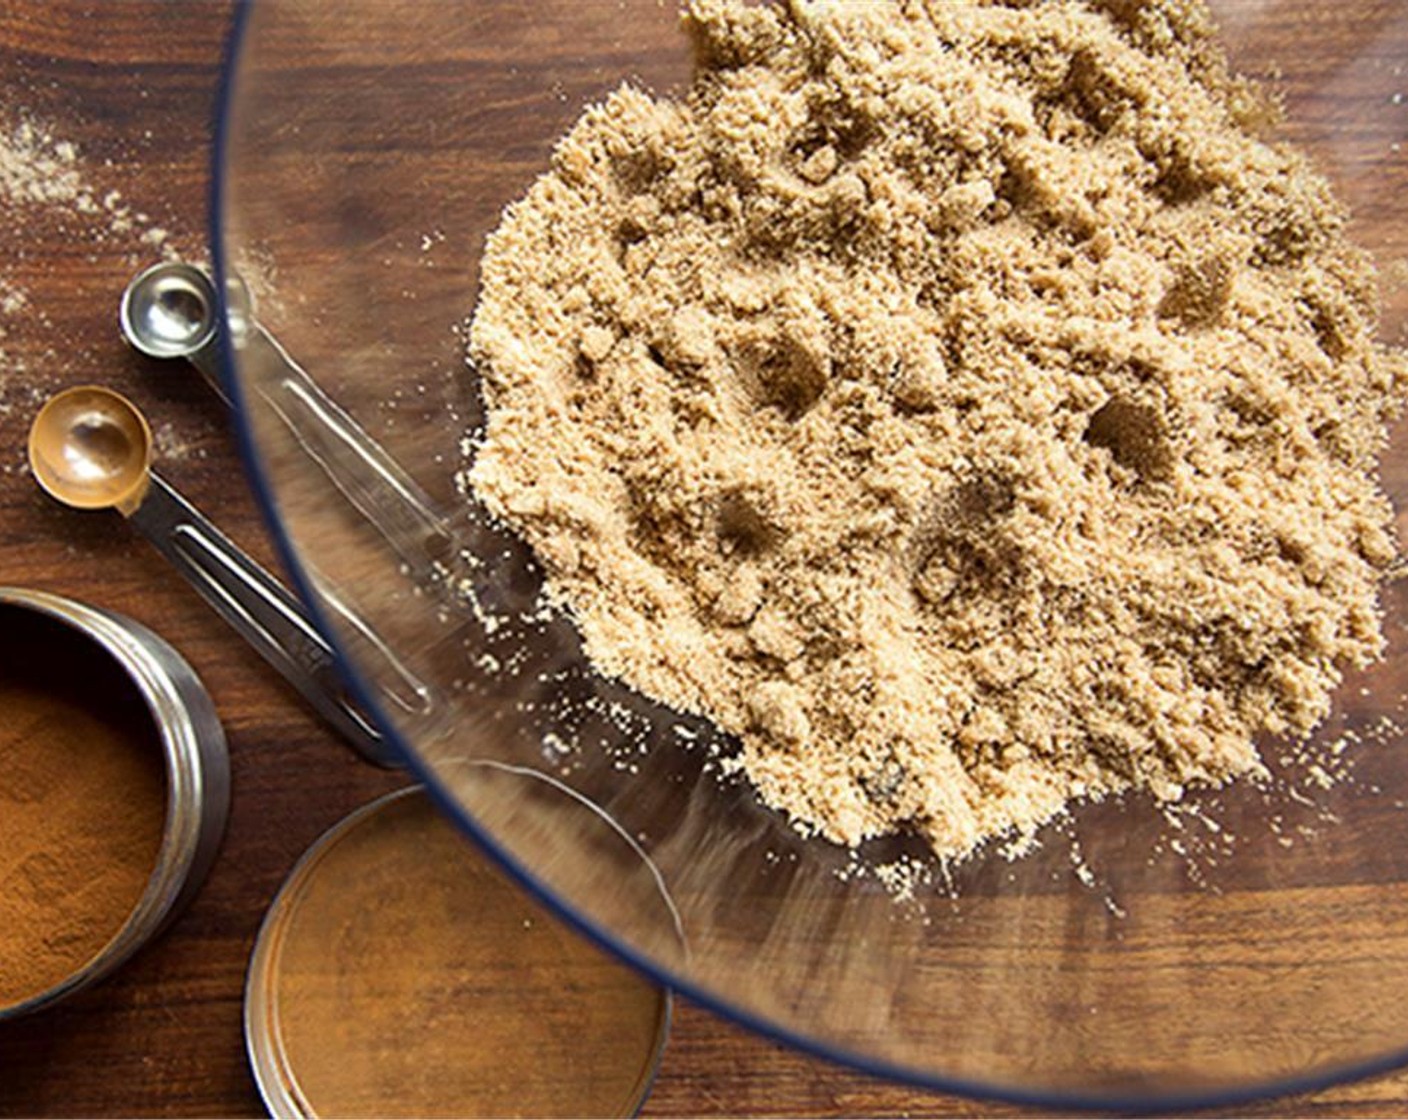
(131, 86)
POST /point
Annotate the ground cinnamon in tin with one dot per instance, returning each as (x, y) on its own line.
(82, 802)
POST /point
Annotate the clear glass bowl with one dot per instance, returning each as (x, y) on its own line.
(1135, 959)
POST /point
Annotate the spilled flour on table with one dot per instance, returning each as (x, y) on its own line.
(39, 170)
(49, 190)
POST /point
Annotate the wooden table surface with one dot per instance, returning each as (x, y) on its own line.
(130, 86)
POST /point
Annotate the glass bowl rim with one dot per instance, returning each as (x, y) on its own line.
(261, 483)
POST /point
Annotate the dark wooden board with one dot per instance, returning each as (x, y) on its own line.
(131, 85)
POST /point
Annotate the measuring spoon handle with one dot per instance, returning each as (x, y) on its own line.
(369, 478)
(260, 608)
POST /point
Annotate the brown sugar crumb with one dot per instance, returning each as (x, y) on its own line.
(962, 403)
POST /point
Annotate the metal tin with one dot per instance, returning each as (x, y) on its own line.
(197, 777)
(288, 1089)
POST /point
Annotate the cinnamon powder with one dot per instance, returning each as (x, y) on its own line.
(961, 402)
(82, 802)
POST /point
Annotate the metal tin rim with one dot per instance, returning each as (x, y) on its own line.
(197, 778)
(272, 1070)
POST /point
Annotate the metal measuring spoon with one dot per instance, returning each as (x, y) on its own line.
(168, 311)
(91, 448)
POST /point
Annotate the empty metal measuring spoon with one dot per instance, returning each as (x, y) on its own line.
(91, 448)
(169, 311)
